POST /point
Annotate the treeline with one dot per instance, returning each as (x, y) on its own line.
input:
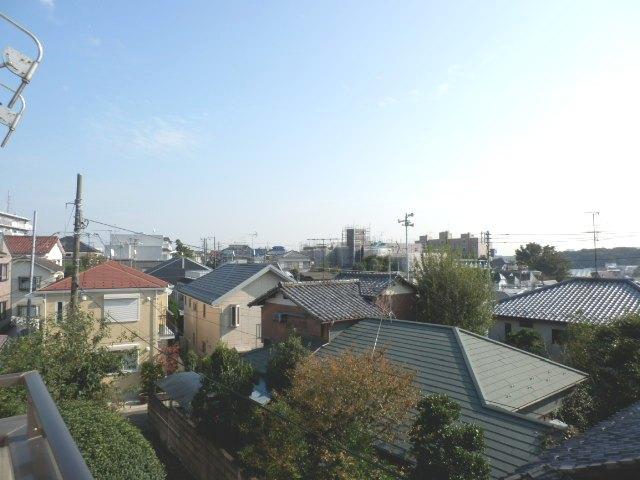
(620, 255)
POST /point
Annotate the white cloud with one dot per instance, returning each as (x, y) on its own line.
(94, 41)
(442, 89)
(48, 3)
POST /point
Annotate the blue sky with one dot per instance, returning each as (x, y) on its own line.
(293, 119)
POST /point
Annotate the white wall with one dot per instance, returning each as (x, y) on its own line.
(21, 268)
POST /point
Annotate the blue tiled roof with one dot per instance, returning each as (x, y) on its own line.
(372, 284)
(593, 300)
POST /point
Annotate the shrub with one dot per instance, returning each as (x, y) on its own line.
(112, 448)
(528, 340)
(285, 356)
(150, 373)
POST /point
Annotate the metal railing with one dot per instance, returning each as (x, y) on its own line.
(44, 420)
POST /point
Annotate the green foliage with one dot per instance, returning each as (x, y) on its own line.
(529, 340)
(610, 354)
(546, 259)
(190, 360)
(86, 262)
(444, 448)
(112, 448)
(353, 401)
(178, 319)
(452, 293)
(221, 415)
(150, 373)
(183, 250)
(373, 263)
(285, 356)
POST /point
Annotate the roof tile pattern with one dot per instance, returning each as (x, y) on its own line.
(223, 279)
(109, 275)
(612, 443)
(513, 379)
(435, 354)
(21, 244)
(176, 269)
(592, 300)
(331, 300)
(372, 284)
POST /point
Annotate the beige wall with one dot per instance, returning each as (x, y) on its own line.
(216, 326)
(545, 329)
(120, 334)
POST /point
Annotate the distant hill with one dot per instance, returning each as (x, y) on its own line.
(620, 255)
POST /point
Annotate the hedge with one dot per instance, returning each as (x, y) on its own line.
(112, 448)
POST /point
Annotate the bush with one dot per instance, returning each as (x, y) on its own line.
(150, 373)
(285, 356)
(189, 360)
(528, 340)
(112, 448)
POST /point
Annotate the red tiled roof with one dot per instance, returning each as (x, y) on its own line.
(109, 275)
(21, 244)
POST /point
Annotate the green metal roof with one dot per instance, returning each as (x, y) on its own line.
(438, 356)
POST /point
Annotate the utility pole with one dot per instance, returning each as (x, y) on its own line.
(77, 231)
(31, 269)
(595, 239)
(487, 239)
(406, 223)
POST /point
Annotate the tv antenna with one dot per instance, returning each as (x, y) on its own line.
(24, 68)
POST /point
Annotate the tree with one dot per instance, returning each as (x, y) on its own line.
(453, 293)
(528, 340)
(373, 263)
(444, 448)
(111, 446)
(353, 401)
(546, 259)
(150, 373)
(183, 250)
(284, 357)
(610, 355)
(222, 406)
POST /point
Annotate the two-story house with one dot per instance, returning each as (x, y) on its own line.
(47, 247)
(5, 284)
(45, 272)
(134, 304)
(216, 306)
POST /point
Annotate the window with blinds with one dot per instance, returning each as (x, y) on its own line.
(118, 308)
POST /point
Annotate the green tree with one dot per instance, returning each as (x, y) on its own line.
(183, 250)
(551, 263)
(350, 400)
(529, 340)
(150, 373)
(610, 354)
(221, 407)
(373, 263)
(453, 293)
(284, 357)
(444, 448)
(111, 446)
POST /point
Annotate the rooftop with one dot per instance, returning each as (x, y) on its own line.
(110, 275)
(330, 300)
(609, 447)
(67, 245)
(592, 300)
(373, 284)
(491, 381)
(42, 262)
(21, 244)
(176, 270)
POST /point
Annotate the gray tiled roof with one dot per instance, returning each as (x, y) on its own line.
(175, 270)
(611, 444)
(372, 283)
(329, 301)
(437, 356)
(222, 280)
(594, 300)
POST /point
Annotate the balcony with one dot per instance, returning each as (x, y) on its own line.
(166, 327)
(38, 444)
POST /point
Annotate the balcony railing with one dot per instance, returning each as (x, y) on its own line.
(39, 444)
(166, 326)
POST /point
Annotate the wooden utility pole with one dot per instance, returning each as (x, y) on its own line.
(77, 231)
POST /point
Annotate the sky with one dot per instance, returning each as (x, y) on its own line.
(293, 119)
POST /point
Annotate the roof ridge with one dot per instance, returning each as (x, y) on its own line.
(323, 282)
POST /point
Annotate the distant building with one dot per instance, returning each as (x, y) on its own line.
(11, 224)
(293, 261)
(238, 253)
(138, 247)
(86, 250)
(468, 245)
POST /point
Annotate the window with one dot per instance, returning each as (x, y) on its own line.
(557, 336)
(235, 315)
(4, 269)
(23, 283)
(128, 357)
(507, 329)
(22, 310)
(195, 306)
(525, 324)
(121, 308)
(59, 310)
(3, 310)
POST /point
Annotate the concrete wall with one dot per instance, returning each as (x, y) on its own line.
(178, 433)
(497, 332)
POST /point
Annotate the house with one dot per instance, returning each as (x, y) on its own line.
(47, 247)
(549, 309)
(610, 449)
(317, 311)
(139, 248)
(45, 272)
(217, 306)
(178, 270)
(238, 253)
(134, 304)
(389, 291)
(293, 260)
(509, 393)
(86, 250)
(11, 224)
(5, 284)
